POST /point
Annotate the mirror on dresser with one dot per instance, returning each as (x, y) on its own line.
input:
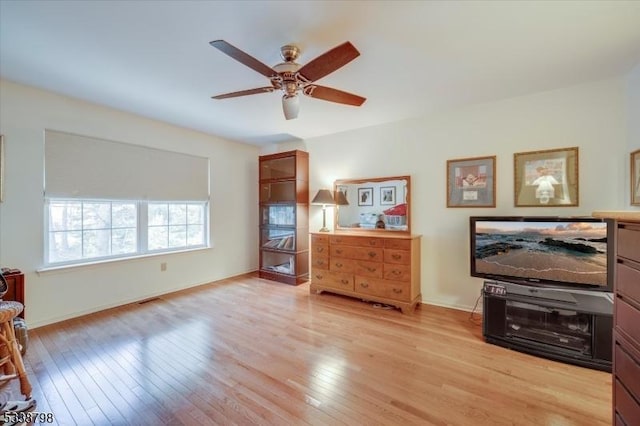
(374, 204)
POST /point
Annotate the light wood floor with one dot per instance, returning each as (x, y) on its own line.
(250, 351)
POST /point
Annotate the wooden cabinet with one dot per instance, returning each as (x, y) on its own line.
(284, 217)
(380, 268)
(626, 347)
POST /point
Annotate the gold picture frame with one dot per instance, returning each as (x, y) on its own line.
(546, 178)
(471, 182)
(635, 178)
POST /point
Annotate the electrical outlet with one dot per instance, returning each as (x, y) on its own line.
(163, 266)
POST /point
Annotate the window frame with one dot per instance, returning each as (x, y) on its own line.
(142, 227)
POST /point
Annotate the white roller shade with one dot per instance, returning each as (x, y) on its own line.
(84, 167)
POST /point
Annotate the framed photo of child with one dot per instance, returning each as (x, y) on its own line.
(546, 178)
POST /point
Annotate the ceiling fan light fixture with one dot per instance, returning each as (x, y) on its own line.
(290, 106)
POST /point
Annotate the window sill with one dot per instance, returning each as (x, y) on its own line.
(62, 268)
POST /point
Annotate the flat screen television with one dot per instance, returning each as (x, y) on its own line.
(561, 252)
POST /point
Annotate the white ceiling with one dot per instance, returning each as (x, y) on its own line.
(153, 58)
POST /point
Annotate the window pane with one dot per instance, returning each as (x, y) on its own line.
(65, 246)
(124, 215)
(96, 243)
(65, 216)
(123, 240)
(158, 214)
(177, 214)
(96, 215)
(195, 214)
(177, 236)
(195, 235)
(157, 237)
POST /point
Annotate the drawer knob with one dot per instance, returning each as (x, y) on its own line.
(396, 256)
(396, 272)
(339, 265)
(318, 276)
(343, 281)
(320, 249)
(339, 251)
(372, 254)
(397, 290)
(364, 285)
(370, 269)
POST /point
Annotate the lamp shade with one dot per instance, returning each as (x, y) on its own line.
(341, 199)
(323, 197)
(290, 106)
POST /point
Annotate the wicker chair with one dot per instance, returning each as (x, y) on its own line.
(10, 356)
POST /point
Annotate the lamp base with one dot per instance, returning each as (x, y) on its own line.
(324, 229)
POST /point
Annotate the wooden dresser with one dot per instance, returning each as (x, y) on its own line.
(380, 268)
(626, 319)
(626, 334)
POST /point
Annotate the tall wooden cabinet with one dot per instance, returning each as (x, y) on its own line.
(626, 347)
(380, 267)
(284, 217)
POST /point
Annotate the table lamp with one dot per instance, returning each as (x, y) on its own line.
(324, 198)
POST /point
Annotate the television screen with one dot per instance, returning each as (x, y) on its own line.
(571, 252)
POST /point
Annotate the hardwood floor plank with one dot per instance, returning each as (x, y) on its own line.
(248, 351)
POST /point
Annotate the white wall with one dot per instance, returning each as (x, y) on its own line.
(591, 117)
(52, 296)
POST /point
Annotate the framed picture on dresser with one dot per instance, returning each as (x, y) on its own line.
(635, 178)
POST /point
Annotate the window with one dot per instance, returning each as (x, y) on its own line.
(81, 231)
(173, 225)
(107, 199)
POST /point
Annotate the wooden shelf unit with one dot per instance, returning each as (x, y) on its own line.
(284, 217)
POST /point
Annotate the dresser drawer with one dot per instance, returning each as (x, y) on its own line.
(360, 253)
(319, 249)
(397, 272)
(628, 282)
(337, 264)
(383, 288)
(337, 280)
(397, 244)
(626, 407)
(356, 241)
(627, 371)
(320, 239)
(319, 262)
(627, 320)
(402, 257)
(629, 242)
(369, 269)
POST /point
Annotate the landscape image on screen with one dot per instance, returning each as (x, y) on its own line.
(571, 252)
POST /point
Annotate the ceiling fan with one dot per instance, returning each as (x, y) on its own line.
(292, 78)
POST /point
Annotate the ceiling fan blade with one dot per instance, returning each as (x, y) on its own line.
(333, 95)
(329, 61)
(245, 93)
(244, 58)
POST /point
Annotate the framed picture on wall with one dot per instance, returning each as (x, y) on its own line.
(471, 182)
(546, 178)
(1, 168)
(635, 178)
(365, 196)
(388, 195)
